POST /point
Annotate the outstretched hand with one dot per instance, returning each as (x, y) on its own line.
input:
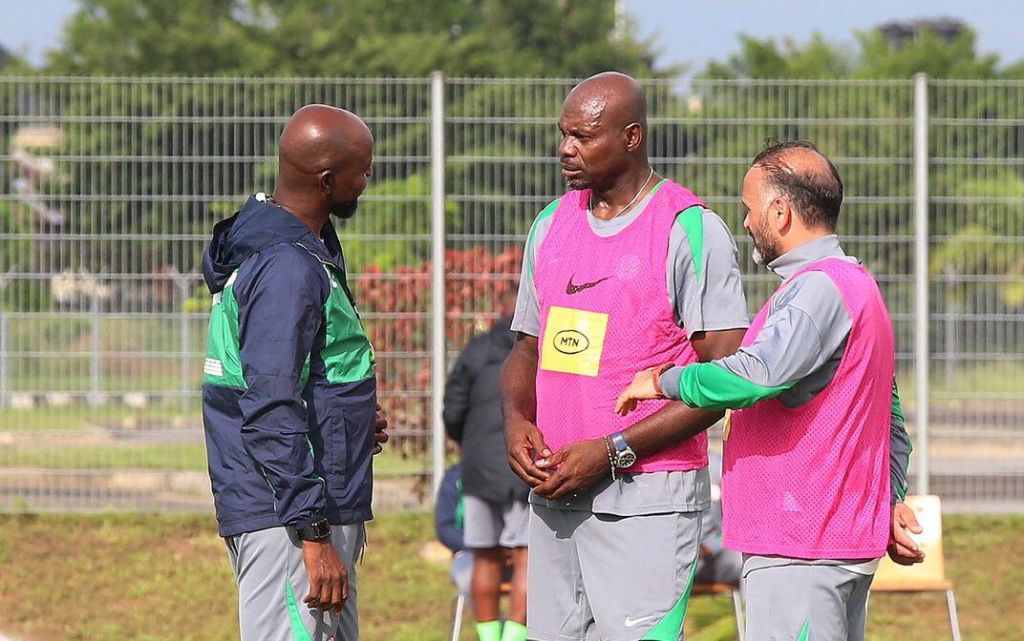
(645, 385)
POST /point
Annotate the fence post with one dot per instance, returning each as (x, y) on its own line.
(437, 297)
(921, 325)
(95, 366)
(4, 349)
(184, 336)
(952, 310)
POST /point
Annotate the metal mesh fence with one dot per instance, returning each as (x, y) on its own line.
(109, 188)
(977, 289)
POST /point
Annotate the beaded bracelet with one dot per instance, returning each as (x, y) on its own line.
(611, 459)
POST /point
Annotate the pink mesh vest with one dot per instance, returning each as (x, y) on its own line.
(605, 314)
(812, 482)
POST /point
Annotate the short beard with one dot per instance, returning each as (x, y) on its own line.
(345, 210)
(766, 249)
(575, 184)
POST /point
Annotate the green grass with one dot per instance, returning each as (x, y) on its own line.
(82, 422)
(152, 578)
(997, 378)
(83, 417)
(176, 456)
(172, 456)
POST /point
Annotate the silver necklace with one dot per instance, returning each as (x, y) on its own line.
(631, 202)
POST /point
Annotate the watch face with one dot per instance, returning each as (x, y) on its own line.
(625, 459)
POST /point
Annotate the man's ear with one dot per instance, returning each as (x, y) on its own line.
(323, 182)
(780, 215)
(633, 135)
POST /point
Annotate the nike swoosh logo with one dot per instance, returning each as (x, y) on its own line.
(576, 289)
(629, 623)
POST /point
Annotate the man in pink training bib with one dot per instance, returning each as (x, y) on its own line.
(626, 270)
(807, 493)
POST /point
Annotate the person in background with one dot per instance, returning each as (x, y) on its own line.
(449, 523)
(496, 512)
(716, 564)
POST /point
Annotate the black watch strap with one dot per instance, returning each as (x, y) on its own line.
(315, 531)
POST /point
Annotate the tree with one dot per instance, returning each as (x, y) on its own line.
(927, 53)
(878, 56)
(768, 59)
(150, 37)
(332, 38)
(975, 184)
(210, 126)
(329, 39)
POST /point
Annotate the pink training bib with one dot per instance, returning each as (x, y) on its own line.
(812, 482)
(605, 314)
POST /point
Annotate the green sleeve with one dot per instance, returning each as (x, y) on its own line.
(712, 387)
(900, 448)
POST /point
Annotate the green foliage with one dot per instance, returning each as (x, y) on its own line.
(979, 229)
(300, 38)
(12, 64)
(928, 53)
(124, 37)
(875, 58)
(767, 59)
(975, 193)
(530, 38)
(975, 211)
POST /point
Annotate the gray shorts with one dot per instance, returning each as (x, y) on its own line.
(492, 524)
(272, 582)
(609, 578)
(819, 602)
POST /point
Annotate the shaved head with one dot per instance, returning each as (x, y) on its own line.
(604, 134)
(319, 137)
(614, 98)
(324, 159)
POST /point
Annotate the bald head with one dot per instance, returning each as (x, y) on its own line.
(604, 137)
(320, 137)
(324, 161)
(807, 178)
(614, 98)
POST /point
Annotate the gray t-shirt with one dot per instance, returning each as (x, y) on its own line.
(712, 300)
(704, 288)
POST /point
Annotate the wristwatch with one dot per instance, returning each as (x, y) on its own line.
(315, 531)
(624, 456)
